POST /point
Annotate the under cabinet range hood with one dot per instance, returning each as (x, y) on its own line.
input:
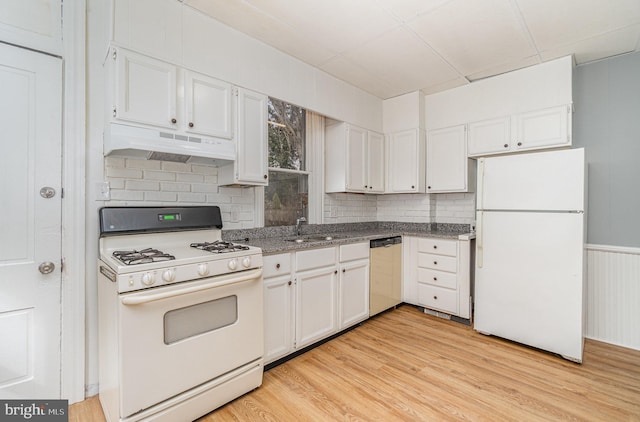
(152, 144)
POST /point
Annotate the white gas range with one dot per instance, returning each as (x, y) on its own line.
(180, 318)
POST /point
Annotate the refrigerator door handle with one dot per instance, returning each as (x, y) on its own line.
(479, 193)
(479, 239)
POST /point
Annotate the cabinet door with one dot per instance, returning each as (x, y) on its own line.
(278, 317)
(489, 136)
(543, 128)
(354, 292)
(145, 90)
(316, 315)
(207, 105)
(404, 156)
(356, 168)
(252, 137)
(447, 160)
(375, 163)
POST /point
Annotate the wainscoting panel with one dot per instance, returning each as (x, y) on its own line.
(613, 295)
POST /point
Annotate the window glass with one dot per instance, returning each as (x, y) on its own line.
(286, 198)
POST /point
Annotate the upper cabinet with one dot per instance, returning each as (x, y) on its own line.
(406, 162)
(153, 92)
(448, 168)
(354, 159)
(250, 167)
(523, 110)
(550, 127)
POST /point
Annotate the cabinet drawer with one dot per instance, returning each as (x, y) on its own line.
(354, 251)
(437, 262)
(438, 246)
(438, 298)
(438, 278)
(315, 258)
(276, 264)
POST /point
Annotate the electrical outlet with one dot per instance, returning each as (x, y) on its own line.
(103, 191)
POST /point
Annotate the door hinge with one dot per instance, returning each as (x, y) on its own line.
(115, 114)
(114, 55)
(62, 264)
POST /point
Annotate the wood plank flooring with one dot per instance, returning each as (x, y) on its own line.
(404, 365)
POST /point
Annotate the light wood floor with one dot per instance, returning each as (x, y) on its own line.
(404, 365)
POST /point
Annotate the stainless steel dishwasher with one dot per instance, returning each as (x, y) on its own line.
(385, 276)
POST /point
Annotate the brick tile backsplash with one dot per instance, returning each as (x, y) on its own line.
(136, 182)
(141, 182)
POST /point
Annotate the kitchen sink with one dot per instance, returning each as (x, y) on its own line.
(307, 239)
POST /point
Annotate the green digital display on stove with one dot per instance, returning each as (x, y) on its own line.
(169, 217)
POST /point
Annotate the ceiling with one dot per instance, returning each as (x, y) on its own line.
(391, 47)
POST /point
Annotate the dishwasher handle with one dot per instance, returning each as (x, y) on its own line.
(385, 242)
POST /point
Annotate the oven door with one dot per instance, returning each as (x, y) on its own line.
(176, 337)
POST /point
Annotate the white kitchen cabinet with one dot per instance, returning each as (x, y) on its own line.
(207, 105)
(538, 129)
(316, 295)
(145, 90)
(353, 290)
(250, 167)
(439, 276)
(406, 162)
(354, 159)
(448, 168)
(152, 92)
(279, 310)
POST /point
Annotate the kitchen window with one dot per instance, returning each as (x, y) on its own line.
(287, 196)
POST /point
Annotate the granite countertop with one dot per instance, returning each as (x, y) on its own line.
(281, 239)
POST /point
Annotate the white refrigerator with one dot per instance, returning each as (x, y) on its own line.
(529, 281)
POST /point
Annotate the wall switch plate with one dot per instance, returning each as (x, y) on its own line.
(103, 191)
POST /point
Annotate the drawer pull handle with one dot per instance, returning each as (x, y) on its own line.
(278, 266)
(435, 297)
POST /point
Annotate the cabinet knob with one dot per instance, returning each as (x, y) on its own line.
(190, 124)
(174, 121)
(335, 272)
(435, 262)
(278, 266)
(428, 187)
(343, 270)
(519, 144)
(413, 187)
(435, 246)
(366, 186)
(435, 278)
(506, 145)
(289, 283)
(265, 176)
(435, 297)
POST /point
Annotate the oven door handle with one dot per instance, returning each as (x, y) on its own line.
(219, 282)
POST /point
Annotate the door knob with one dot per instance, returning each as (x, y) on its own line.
(46, 267)
(47, 192)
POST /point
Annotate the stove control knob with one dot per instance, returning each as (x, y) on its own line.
(233, 264)
(148, 279)
(169, 275)
(246, 261)
(203, 270)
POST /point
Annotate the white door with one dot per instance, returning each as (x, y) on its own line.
(551, 180)
(356, 167)
(375, 162)
(490, 136)
(278, 317)
(354, 292)
(528, 280)
(208, 105)
(252, 137)
(543, 128)
(447, 160)
(403, 163)
(30, 176)
(315, 305)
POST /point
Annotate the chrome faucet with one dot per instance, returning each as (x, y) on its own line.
(298, 221)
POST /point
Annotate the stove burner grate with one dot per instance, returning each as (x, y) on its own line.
(144, 256)
(219, 246)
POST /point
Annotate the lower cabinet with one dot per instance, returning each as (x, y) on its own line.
(310, 295)
(438, 274)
